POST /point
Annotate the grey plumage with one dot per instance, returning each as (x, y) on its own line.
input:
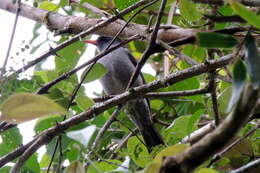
(120, 65)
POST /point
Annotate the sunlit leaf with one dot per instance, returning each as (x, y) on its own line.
(83, 136)
(216, 40)
(23, 107)
(206, 170)
(84, 102)
(246, 13)
(189, 11)
(75, 167)
(47, 5)
(253, 60)
(239, 78)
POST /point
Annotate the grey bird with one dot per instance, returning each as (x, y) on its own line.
(120, 65)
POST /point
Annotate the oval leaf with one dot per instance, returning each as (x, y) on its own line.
(23, 107)
(216, 40)
(253, 60)
(49, 6)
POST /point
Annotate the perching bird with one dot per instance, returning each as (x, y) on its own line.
(120, 65)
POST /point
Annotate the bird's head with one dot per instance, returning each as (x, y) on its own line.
(102, 42)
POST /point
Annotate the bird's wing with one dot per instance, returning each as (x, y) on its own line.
(133, 60)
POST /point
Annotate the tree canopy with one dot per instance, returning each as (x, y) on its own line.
(204, 96)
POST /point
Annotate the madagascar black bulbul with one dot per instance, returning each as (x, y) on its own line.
(120, 65)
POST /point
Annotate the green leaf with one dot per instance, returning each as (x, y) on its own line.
(32, 164)
(45, 160)
(44, 123)
(49, 6)
(182, 126)
(8, 145)
(138, 152)
(124, 4)
(246, 13)
(104, 166)
(95, 73)
(83, 136)
(239, 78)
(253, 60)
(68, 57)
(216, 40)
(5, 169)
(75, 167)
(84, 102)
(23, 107)
(189, 11)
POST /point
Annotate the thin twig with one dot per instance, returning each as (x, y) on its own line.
(156, 95)
(79, 36)
(149, 49)
(3, 70)
(47, 86)
(105, 127)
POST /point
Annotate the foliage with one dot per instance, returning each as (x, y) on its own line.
(175, 117)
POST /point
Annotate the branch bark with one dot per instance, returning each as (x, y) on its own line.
(74, 24)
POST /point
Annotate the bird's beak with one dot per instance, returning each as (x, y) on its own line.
(91, 41)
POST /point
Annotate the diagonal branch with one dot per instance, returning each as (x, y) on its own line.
(120, 99)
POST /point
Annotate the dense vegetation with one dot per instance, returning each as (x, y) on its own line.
(204, 95)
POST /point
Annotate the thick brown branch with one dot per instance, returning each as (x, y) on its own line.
(74, 25)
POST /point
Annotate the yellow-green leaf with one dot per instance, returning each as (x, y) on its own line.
(75, 167)
(84, 102)
(46, 5)
(170, 151)
(23, 107)
(154, 167)
(206, 170)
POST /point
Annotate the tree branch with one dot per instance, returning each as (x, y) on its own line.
(48, 134)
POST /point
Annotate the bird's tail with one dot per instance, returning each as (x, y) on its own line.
(139, 112)
(151, 137)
